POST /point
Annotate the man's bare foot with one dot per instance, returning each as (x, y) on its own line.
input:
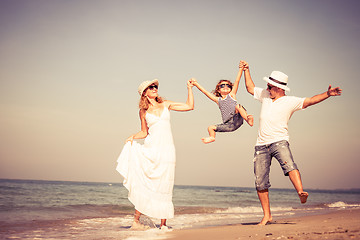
(208, 139)
(265, 221)
(250, 120)
(303, 196)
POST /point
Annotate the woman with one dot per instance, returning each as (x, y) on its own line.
(149, 169)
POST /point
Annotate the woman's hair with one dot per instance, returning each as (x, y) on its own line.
(144, 101)
(216, 92)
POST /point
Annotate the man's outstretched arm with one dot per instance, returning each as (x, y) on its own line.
(321, 97)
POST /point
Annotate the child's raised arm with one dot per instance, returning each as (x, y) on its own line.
(237, 81)
(204, 91)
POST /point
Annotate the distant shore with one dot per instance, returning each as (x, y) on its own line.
(342, 224)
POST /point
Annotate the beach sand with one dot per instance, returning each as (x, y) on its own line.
(342, 224)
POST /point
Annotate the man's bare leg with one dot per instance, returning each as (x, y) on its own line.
(265, 204)
(295, 178)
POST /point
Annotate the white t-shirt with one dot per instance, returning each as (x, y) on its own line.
(274, 116)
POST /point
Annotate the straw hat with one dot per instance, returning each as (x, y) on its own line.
(278, 79)
(144, 85)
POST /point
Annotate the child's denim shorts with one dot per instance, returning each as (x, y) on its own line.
(262, 162)
(231, 125)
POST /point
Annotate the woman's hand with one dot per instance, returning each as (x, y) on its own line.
(130, 139)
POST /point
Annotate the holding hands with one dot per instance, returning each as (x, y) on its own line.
(192, 82)
(243, 64)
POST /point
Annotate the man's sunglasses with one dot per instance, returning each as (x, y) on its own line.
(153, 86)
(225, 84)
(270, 87)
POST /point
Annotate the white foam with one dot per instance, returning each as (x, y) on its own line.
(342, 205)
(154, 233)
(186, 221)
(252, 209)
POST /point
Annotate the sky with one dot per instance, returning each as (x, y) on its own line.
(69, 72)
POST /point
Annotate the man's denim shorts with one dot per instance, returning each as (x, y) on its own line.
(262, 162)
(231, 125)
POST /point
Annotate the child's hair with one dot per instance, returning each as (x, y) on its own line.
(144, 101)
(216, 92)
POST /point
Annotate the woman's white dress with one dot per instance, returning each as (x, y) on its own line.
(149, 169)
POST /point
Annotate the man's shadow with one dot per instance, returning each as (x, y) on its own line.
(269, 223)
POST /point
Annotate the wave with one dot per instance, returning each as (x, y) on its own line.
(252, 209)
(342, 205)
(39, 213)
(333, 205)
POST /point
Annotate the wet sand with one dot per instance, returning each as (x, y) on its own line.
(342, 224)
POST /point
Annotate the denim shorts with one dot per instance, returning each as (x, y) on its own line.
(231, 125)
(262, 162)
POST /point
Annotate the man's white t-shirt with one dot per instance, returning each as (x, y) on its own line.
(274, 116)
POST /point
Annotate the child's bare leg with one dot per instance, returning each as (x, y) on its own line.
(211, 137)
(248, 118)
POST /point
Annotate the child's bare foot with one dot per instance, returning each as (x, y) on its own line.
(208, 139)
(303, 196)
(250, 120)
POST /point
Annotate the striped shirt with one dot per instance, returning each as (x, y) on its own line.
(227, 107)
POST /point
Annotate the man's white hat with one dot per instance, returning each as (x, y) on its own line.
(144, 85)
(278, 79)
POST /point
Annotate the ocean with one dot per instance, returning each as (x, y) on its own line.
(32, 209)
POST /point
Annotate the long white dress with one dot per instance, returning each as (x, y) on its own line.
(149, 169)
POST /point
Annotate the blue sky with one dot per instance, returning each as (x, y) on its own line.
(69, 72)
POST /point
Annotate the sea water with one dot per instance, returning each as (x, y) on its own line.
(32, 209)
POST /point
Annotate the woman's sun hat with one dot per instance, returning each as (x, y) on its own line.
(278, 79)
(144, 85)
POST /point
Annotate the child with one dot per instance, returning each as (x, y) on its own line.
(232, 113)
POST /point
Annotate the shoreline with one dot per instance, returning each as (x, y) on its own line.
(342, 224)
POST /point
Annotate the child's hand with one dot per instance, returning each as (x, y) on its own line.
(241, 64)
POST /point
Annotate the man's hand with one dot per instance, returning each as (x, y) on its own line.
(334, 91)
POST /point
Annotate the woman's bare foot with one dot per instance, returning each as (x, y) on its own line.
(208, 139)
(250, 120)
(138, 226)
(303, 196)
(165, 228)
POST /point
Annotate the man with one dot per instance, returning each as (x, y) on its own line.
(273, 137)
